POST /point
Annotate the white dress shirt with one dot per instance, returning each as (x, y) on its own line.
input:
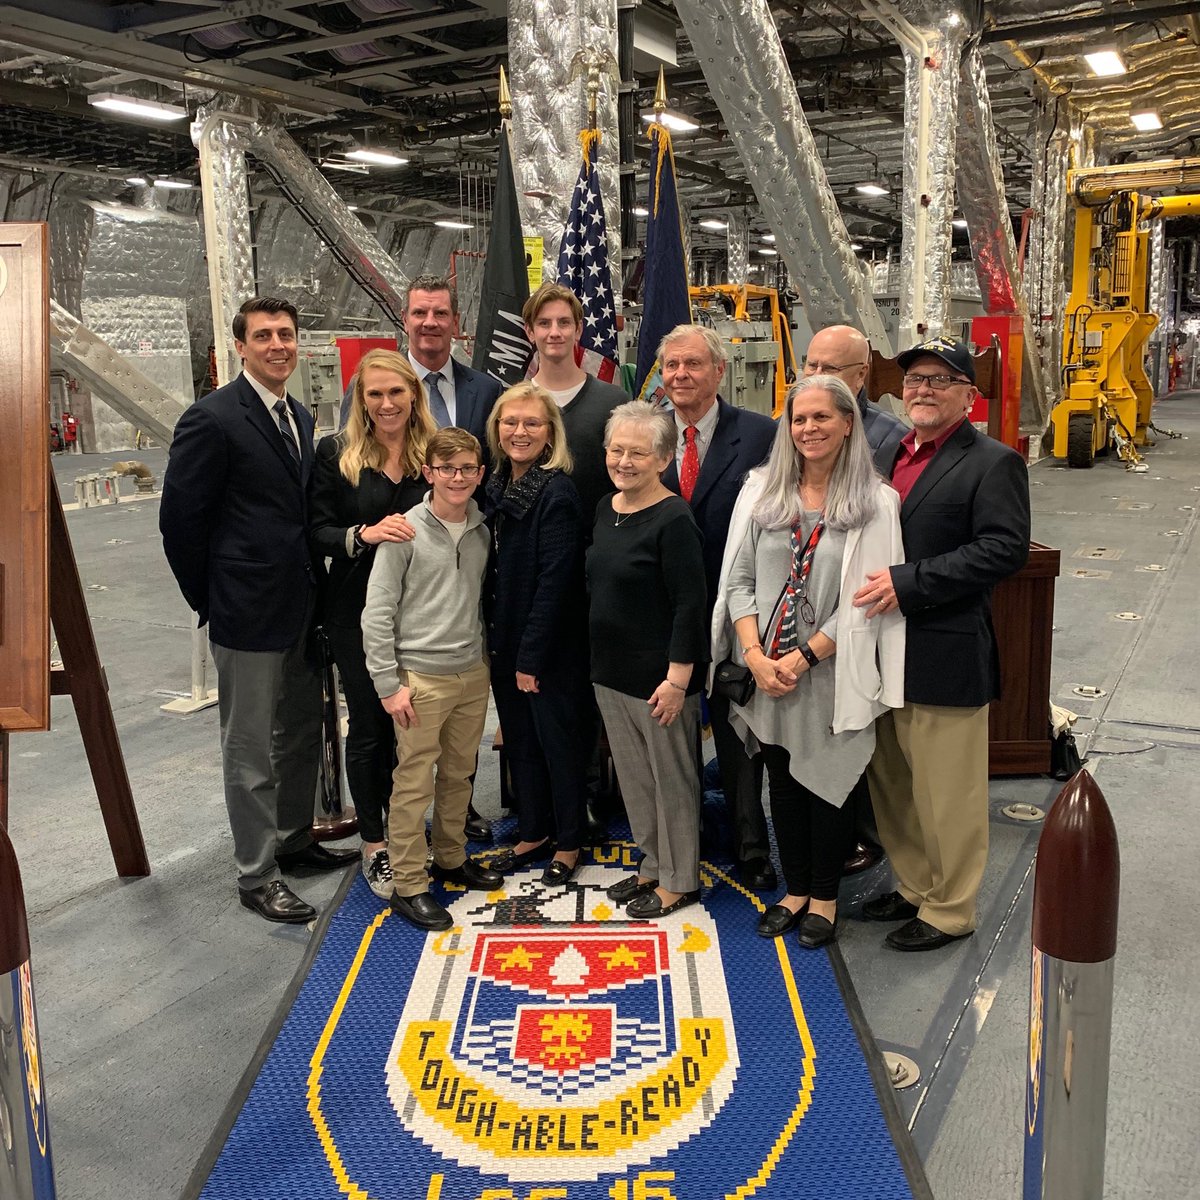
(705, 428)
(270, 399)
(446, 386)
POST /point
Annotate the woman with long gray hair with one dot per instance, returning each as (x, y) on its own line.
(808, 527)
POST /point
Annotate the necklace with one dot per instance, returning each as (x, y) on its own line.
(621, 518)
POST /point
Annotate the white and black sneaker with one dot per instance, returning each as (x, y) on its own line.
(377, 871)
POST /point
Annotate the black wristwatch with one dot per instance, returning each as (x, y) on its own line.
(809, 657)
(359, 544)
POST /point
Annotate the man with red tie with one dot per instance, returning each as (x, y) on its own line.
(717, 445)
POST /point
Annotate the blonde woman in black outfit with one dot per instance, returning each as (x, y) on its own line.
(363, 479)
(649, 642)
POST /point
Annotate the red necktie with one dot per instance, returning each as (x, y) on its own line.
(691, 464)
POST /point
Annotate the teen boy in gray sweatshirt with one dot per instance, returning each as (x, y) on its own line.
(423, 637)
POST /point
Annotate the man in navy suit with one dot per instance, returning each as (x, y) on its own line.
(234, 526)
(717, 445)
(964, 514)
(457, 395)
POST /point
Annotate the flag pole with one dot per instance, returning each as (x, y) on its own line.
(505, 100)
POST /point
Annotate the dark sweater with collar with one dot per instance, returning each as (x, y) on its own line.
(584, 419)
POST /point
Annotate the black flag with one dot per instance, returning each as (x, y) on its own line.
(501, 347)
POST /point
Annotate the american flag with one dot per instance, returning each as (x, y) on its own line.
(583, 267)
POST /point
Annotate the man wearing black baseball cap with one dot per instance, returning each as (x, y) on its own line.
(965, 519)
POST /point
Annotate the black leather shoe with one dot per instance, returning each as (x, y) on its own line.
(649, 907)
(597, 827)
(509, 860)
(478, 829)
(421, 910)
(470, 875)
(890, 906)
(275, 901)
(920, 935)
(758, 875)
(629, 888)
(816, 931)
(862, 858)
(777, 920)
(559, 873)
(315, 857)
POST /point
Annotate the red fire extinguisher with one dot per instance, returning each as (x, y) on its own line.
(70, 427)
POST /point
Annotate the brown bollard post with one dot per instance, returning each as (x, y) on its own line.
(26, 1168)
(1076, 894)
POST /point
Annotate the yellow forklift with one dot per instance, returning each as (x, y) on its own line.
(1106, 394)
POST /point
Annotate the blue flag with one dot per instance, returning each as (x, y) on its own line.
(583, 267)
(665, 301)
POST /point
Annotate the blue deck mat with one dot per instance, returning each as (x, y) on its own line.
(547, 1048)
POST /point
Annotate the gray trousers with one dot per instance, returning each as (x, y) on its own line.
(270, 706)
(656, 768)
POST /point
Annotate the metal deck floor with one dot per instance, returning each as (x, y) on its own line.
(153, 994)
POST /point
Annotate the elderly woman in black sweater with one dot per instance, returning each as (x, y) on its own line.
(535, 606)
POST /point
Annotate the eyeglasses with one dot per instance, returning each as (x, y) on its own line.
(939, 383)
(619, 452)
(820, 368)
(448, 472)
(533, 425)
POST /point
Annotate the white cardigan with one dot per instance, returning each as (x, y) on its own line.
(869, 663)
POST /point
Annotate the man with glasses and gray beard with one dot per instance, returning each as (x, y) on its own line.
(964, 516)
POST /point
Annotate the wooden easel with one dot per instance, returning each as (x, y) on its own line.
(27, 593)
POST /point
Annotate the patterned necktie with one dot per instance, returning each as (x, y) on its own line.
(437, 402)
(690, 469)
(285, 428)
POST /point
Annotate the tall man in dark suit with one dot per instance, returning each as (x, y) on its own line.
(717, 445)
(844, 351)
(965, 519)
(234, 526)
(457, 394)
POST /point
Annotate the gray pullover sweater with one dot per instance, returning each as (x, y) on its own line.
(423, 610)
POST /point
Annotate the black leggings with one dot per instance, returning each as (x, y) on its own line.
(371, 738)
(813, 836)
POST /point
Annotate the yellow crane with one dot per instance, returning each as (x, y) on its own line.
(1106, 394)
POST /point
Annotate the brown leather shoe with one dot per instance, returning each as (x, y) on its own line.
(862, 858)
(275, 901)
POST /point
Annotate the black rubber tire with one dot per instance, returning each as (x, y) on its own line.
(1079, 441)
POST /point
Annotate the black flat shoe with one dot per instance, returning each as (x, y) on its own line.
(559, 873)
(777, 920)
(315, 857)
(629, 888)
(758, 875)
(421, 910)
(920, 935)
(470, 875)
(508, 860)
(478, 829)
(275, 901)
(890, 906)
(648, 907)
(816, 931)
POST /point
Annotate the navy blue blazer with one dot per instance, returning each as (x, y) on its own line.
(966, 527)
(741, 441)
(234, 521)
(474, 395)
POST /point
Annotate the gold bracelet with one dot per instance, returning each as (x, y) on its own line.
(677, 686)
(753, 646)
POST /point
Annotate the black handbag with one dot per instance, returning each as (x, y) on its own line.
(733, 681)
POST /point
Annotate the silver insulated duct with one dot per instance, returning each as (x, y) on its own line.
(985, 207)
(738, 48)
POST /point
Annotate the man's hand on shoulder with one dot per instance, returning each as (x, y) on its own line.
(878, 594)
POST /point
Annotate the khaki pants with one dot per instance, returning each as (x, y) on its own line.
(929, 783)
(452, 710)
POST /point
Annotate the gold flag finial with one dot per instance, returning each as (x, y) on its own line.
(505, 102)
(660, 93)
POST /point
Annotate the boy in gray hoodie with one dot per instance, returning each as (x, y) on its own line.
(423, 637)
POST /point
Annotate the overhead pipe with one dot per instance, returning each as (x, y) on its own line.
(735, 42)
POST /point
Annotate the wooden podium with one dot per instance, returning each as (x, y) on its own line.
(39, 580)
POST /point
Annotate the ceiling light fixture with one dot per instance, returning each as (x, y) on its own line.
(179, 185)
(676, 122)
(338, 165)
(769, 237)
(767, 250)
(713, 223)
(135, 106)
(1146, 122)
(871, 189)
(641, 212)
(856, 245)
(453, 225)
(137, 180)
(377, 158)
(1105, 62)
(959, 222)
